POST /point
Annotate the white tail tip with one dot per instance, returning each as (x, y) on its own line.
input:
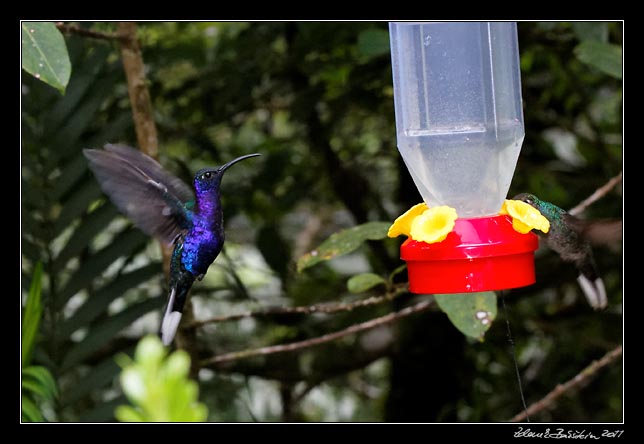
(169, 326)
(595, 291)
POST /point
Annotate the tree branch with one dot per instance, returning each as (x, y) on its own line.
(560, 389)
(215, 361)
(73, 29)
(598, 194)
(327, 308)
(146, 131)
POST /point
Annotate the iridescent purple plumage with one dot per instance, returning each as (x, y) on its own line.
(163, 206)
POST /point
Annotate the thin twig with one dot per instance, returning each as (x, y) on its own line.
(598, 194)
(355, 328)
(560, 389)
(327, 308)
(73, 29)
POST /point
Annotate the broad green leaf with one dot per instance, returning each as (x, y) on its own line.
(30, 412)
(106, 330)
(606, 57)
(373, 42)
(596, 31)
(44, 54)
(363, 282)
(471, 313)
(31, 316)
(101, 299)
(343, 242)
(40, 376)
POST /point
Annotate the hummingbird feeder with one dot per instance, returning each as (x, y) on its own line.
(459, 125)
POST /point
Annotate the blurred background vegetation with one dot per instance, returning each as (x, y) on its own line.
(316, 100)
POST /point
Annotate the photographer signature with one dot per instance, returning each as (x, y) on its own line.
(566, 434)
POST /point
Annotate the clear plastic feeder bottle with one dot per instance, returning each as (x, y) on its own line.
(459, 121)
(459, 124)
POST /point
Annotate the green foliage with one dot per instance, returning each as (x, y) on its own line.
(93, 262)
(31, 315)
(343, 242)
(373, 42)
(471, 313)
(38, 385)
(44, 54)
(158, 386)
(606, 57)
(363, 282)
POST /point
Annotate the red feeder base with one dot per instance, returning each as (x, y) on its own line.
(480, 254)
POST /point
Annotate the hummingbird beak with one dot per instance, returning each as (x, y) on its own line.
(234, 161)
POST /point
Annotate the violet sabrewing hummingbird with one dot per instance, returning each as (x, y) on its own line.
(571, 238)
(163, 206)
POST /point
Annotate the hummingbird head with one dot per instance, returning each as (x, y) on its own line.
(528, 198)
(209, 179)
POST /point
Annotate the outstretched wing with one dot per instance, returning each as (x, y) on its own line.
(604, 232)
(142, 190)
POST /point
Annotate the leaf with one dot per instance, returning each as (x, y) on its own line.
(125, 413)
(158, 386)
(101, 299)
(92, 224)
(107, 330)
(36, 375)
(373, 42)
(471, 313)
(122, 245)
(343, 242)
(363, 282)
(595, 31)
(76, 205)
(32, 314)
(44, 54)
(30, 412)
(86, 72)
(605, 57)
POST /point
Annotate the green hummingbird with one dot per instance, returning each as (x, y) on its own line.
(571, 238)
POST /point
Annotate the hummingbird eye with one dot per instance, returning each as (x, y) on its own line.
(207, 175)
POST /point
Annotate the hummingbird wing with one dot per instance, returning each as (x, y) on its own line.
(599, 232)
(142, 190)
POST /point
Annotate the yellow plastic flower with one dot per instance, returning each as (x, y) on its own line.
(402, 225)
(433, 225)
(524, 216)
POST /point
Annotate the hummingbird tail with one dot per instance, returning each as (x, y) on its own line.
(171, 317)
(594, 290)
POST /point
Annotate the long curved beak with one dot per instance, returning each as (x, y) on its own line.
(225, 166)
